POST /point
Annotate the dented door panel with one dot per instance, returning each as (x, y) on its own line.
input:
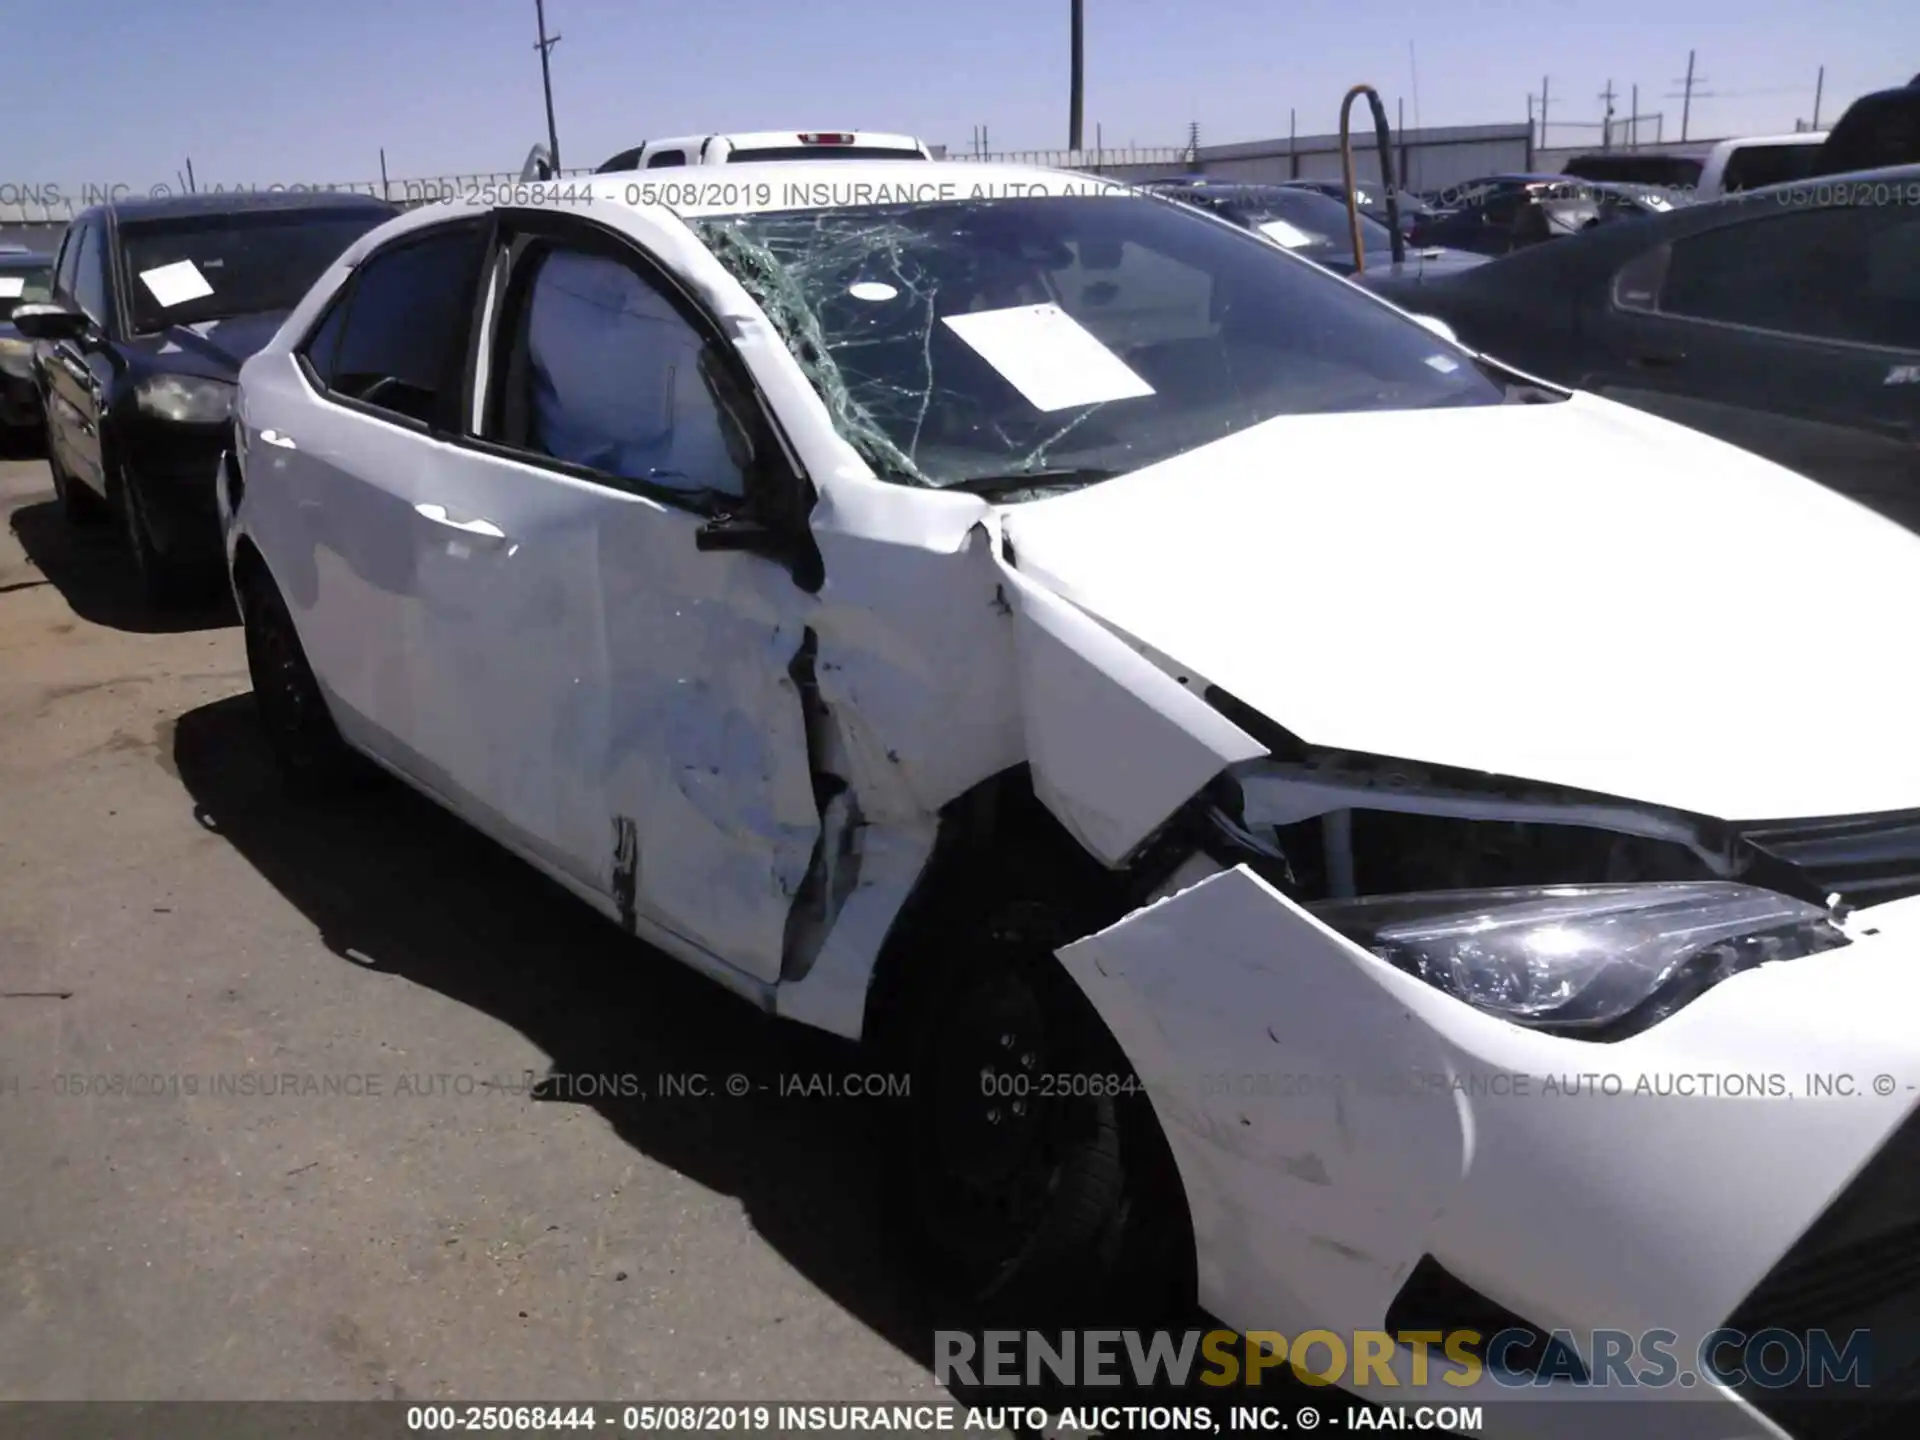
(508, 661)
(711, 819)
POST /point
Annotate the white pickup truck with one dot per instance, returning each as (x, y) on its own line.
(1756, 160)
(768, 145)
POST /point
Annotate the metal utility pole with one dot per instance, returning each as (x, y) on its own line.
(545, 48)
(1633, 122)
(384, 194)
(1077, 84)
(1685, 96)
(1543, 109)
(1606, 123)
(1819, 85)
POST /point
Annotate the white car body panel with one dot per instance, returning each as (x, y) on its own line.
(1183, 555)
(674, 792)
(1317, 1199)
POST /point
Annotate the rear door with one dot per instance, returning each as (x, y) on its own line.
(1792, 331)
(355, 428)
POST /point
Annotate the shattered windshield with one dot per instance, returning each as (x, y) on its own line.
(980, 343)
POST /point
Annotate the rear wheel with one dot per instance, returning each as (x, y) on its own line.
(306, 745)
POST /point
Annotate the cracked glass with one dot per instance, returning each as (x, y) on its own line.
(1223, 330)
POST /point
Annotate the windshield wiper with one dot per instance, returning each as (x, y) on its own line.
(1014, 480)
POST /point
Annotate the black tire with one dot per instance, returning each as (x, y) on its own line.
(1037, 1187)
(162, 583)
(307, 748)
(78, 505)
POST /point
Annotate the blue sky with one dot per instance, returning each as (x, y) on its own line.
(263, 90)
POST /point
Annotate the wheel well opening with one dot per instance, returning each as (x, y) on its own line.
(1001, 852)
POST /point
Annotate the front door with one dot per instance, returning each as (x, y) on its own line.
(79, 372)
(616, 696)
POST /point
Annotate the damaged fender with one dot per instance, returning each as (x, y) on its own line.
(1248, 1023)
(1114, 743)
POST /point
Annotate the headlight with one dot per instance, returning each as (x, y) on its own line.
(188, 399)
(1598, 962)
(16, 355)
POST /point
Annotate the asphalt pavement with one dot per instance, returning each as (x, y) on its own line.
(340, 1100)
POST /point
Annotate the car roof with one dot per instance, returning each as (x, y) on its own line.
(229, 202)
(1798, 137)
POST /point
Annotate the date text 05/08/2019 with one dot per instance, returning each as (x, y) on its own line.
(691, 1419)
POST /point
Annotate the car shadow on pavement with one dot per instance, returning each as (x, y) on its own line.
(394, 883)
(89, 566)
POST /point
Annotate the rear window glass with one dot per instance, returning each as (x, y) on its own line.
(1752, 166)
(825, 152)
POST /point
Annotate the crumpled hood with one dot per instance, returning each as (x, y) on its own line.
(214, 348)
(1575, 593)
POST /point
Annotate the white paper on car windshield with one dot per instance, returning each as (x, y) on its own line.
(12, 287)
(1048, 356)
(176, 284)
(1291, 236)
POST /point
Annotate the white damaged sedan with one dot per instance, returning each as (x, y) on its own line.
(962, 608)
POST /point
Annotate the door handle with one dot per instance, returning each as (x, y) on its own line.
(473, 529)
(285, 442)
(1664, 360)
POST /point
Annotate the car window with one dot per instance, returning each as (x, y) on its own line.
(1840, 273)
(406, 324)
(322, 347)
(23, 285)
(607, 374)
(186, 270)
(666, 158)
(1751, 166)
(90, 276)
(64, 263)
(973, 343)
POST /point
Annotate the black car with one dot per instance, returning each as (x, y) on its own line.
(1503, 213)
(1312, 225)
(1785, 319)
(25, 279)
(155, 305)
(1372, 196)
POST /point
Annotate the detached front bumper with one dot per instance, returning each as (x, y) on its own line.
(1345, 1132)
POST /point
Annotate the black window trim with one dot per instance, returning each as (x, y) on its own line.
(1749, 217)
(783, 496)
(96, 230)
(453, 381)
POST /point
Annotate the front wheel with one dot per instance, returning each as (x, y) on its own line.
(162, 582)
(79, 506)
(1036, 1183)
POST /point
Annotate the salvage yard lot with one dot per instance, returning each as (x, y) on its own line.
(412, 1220)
